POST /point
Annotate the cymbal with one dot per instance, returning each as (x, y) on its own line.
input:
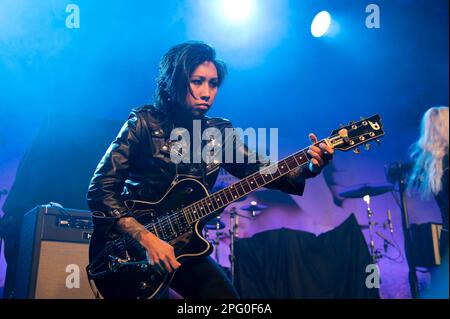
(359, 191)
(253, 208)
(215, 223)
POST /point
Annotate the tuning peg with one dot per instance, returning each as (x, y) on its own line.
(343, 133)
(367, 146)
(378, 141)
(356, 151)
(351, 122)
(362, 118)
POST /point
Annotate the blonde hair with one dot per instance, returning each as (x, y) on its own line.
(429, 151)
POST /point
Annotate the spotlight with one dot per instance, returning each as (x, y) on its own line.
(238, 10)
(320, 24)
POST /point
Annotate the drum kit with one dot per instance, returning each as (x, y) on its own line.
(249, 212)
(255, 209)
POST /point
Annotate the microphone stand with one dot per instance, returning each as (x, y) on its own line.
(233, 231)
(366, 199)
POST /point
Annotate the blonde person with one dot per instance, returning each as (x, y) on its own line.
(429, 176)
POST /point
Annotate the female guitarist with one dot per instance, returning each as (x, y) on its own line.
(139, 165)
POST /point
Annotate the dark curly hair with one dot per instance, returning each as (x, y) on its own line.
(176, 67)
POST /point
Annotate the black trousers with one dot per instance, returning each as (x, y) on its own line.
(202, 278)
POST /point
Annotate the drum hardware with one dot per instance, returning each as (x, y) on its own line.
(366, 199)
(233, 233)
(215, 224)
(365, 191)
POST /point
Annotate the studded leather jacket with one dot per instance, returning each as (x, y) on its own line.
(137, 165)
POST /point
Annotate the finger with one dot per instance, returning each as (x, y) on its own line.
(326, 148)
(313, 138)
(315, 165)
(159, 264)
(174, 263)
(316, 149)
(326, 153)
(317, 157)
(151, 260)
(167, 266)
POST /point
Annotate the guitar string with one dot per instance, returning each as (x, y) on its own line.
(165, 220)
(168, 220)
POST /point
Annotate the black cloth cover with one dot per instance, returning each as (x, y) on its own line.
(287, 263)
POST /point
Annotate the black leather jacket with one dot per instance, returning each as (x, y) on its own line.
(137, 165)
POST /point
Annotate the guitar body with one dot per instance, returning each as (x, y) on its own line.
(129, 276)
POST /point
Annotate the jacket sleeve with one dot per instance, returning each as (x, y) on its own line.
(291, 183)
(104, 194)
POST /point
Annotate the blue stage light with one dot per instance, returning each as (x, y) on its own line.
(238, 11)
(320, 24)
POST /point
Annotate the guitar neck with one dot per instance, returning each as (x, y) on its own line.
(237, 190)
(343, 139)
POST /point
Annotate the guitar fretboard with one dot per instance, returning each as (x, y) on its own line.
(225, 196)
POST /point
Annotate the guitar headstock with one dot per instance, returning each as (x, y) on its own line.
(357, 133)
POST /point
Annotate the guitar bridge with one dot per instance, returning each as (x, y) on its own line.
(117, 264)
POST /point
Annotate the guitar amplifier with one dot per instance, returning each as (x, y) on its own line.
(53, 254)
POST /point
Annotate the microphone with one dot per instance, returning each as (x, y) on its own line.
(390, 221)
(386, 241)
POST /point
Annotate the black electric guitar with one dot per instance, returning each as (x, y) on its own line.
(118, 263)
